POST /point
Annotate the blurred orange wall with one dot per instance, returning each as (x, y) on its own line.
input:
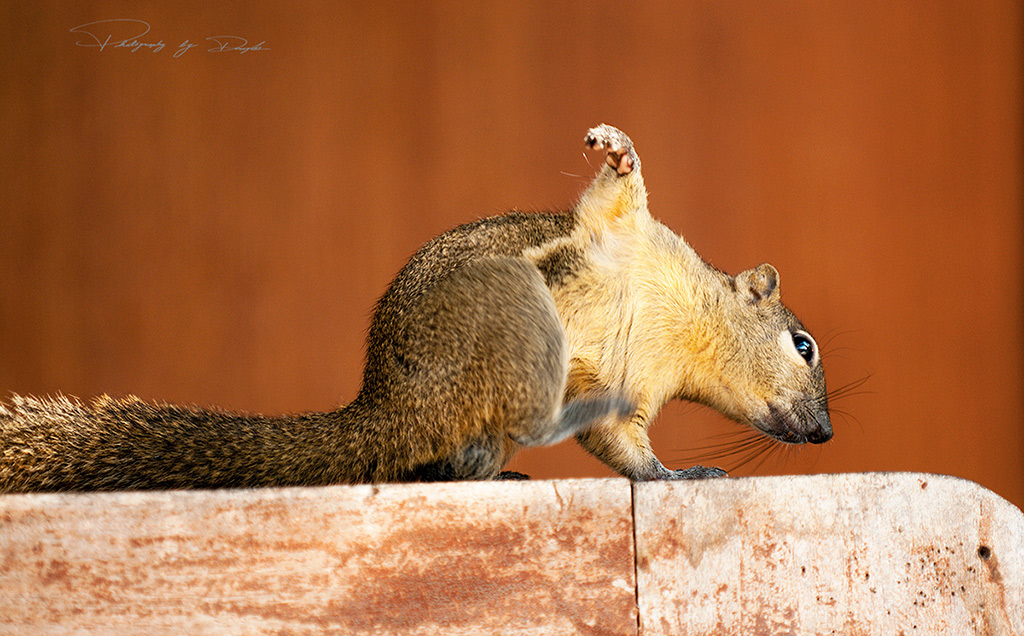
(214, 227)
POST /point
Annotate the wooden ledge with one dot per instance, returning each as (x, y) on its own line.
(860, 553)
(882, 553)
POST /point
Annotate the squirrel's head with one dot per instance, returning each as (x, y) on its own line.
(769, 373)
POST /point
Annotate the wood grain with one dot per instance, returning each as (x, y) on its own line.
(530, 558)
(832, 554)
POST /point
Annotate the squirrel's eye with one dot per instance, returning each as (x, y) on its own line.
(804, 346)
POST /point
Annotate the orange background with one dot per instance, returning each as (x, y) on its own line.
(215, 227)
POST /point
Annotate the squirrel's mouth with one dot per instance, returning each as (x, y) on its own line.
(795, 425)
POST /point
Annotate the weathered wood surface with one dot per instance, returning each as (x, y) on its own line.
(830, 554)
(510, 557)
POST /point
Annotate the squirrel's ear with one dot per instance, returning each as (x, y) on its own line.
(759, 284)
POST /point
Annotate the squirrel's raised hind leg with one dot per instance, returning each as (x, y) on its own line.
(618, 190)
(620, 153)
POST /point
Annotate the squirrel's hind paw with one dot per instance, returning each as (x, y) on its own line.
(619, 148)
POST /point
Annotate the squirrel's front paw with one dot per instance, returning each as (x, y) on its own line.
(698, 472)
(620, 154)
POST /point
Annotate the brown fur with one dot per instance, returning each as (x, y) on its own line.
(471, 351)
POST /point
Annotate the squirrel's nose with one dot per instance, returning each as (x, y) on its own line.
(823, 432)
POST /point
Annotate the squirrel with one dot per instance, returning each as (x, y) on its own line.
(510, 331)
